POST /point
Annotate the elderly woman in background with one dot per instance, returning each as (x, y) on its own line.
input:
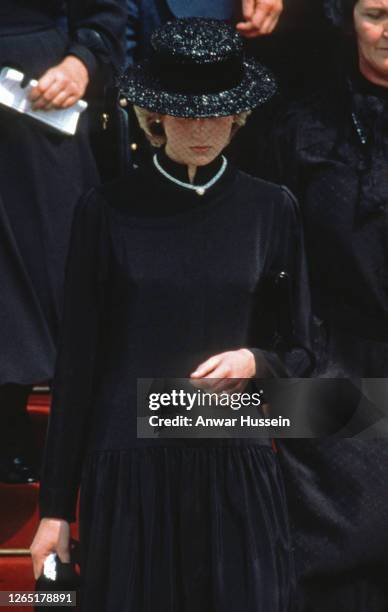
(332, 151)
(42, 175)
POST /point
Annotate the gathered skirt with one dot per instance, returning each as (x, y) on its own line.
(184, 529)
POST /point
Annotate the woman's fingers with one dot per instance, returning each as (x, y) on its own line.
(269, 25)
(53, 82)
(244, 27)
(70, 101)
(260, 17)
(222, 371)
(63, 100)
(37, 566)
(61, 86)
(44, 83)
(215, 380)
(63, 554)
(52, 536)
(225, 373)
(51, 93)
(39, 553)
(247, 8)
(224, 385)
(204, 369)
(213, 384)
(213, 374)
(239, 364)
(47, 80)
(56, 96)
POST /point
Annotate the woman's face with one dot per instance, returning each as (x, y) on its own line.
(371, 25)
(196, 142)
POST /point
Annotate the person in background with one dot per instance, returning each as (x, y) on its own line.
(331, 150)
(301, 52)
(169, 272)
(252, 17)
(42, 175)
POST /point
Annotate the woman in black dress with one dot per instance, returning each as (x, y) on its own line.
(42, 175)
(331, 150)
(165, 278)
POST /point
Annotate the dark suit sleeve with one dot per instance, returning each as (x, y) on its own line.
(75, 373)
(285, 317)
(132, 31)
(97, 31)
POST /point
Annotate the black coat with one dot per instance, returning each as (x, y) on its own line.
(96, 27)
(332, 151)
(42, 175)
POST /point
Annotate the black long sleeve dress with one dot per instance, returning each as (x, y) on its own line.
(43, 174)
(159, 279)
(332, 151)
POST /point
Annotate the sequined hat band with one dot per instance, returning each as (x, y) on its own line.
(197, 79)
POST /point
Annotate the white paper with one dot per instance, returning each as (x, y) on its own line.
(50, 567)
(12, 95)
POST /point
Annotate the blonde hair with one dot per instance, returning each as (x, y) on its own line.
(150, 123)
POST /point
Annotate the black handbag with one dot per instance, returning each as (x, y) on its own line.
(107, 119)
(109, 135)
(60, 577)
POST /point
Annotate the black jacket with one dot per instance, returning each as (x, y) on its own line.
(331, 151)
(96, 28)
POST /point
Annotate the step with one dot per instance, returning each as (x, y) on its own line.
(19, 516)
(19, 503)
(40, 399)
(38, 409)
(16, 575)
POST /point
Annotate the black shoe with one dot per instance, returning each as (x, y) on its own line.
(17, 470)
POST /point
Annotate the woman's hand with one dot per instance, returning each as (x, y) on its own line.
(260, 17)
(52, 536)
(61, 86)
(226, 372)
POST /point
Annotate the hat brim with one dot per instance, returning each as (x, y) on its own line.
(140, 86)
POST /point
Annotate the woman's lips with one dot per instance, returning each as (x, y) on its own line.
(200, 149)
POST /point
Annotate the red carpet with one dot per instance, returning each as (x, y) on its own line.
(16, 575)
(19, 515)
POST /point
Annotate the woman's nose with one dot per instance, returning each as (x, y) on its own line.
(199, 123)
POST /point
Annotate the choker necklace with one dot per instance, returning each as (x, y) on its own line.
(199, 189)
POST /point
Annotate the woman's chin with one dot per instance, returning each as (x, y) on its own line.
(202, 158)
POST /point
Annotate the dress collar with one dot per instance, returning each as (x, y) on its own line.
(203, 175)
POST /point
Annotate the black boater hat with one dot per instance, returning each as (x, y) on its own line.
(197, 69)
